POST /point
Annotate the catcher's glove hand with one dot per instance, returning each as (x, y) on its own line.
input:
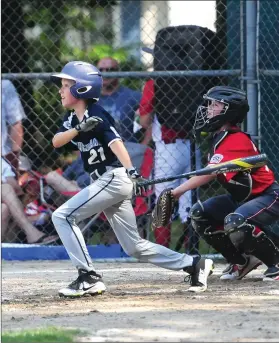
(88, 124)
(163, 209)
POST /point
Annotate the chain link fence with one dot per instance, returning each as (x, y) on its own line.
(40, 37)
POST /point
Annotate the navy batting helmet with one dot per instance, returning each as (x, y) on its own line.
(235, 108)
(88, 79)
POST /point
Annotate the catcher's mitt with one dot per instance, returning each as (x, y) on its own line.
(163, 209)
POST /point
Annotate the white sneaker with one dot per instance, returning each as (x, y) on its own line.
(87, 283)
(199, 273)
(237, 272)
(271, 278)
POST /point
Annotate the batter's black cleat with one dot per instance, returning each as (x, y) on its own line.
(199, 272)
(87, 283)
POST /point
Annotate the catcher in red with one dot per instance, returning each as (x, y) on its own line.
(236, 224)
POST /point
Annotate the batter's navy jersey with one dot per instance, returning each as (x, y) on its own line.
(94, 144)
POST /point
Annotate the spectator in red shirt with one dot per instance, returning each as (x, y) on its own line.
(235, 224)
(172, 157)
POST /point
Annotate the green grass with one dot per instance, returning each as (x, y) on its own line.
(49, 334)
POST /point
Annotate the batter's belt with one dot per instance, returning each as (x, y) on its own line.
(100, 171)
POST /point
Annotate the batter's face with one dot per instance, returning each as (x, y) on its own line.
(214, 109)
(67, 99)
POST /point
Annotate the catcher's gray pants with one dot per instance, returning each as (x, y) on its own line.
(111, 193)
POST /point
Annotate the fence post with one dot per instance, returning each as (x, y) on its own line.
(251, 66)
(130, 26)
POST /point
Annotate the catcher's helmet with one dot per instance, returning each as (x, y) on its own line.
(88, 79)
(234, 112)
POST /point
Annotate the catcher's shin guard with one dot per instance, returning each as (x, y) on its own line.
(249, 239)
(216, 238)
(222, 243)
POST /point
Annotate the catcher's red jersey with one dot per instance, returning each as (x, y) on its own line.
(238, 145)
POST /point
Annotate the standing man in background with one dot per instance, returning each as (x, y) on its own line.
(121, 102)
(172, 157)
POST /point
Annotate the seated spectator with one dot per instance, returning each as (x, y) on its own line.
(71, 181)
(12, 207)
(12, 141)
(38, 215)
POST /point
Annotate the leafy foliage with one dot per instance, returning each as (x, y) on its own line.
(49, 334)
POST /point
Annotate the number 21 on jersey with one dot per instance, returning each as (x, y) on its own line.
(97, 156)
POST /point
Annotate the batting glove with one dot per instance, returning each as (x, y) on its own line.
(135, 177)
(88, 124)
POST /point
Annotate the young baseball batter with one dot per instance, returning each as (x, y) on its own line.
(235, 224)
(87, 127)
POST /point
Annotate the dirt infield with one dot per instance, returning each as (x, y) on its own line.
(143, 303)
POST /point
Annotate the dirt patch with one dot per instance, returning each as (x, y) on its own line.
(143, 303)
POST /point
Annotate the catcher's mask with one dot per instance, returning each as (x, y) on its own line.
(222, 104)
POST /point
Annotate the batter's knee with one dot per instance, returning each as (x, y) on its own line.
(199, 219)
(239, 231)
(62, 214)
(59, 215)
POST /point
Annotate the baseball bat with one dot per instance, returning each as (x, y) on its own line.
(236, 165)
